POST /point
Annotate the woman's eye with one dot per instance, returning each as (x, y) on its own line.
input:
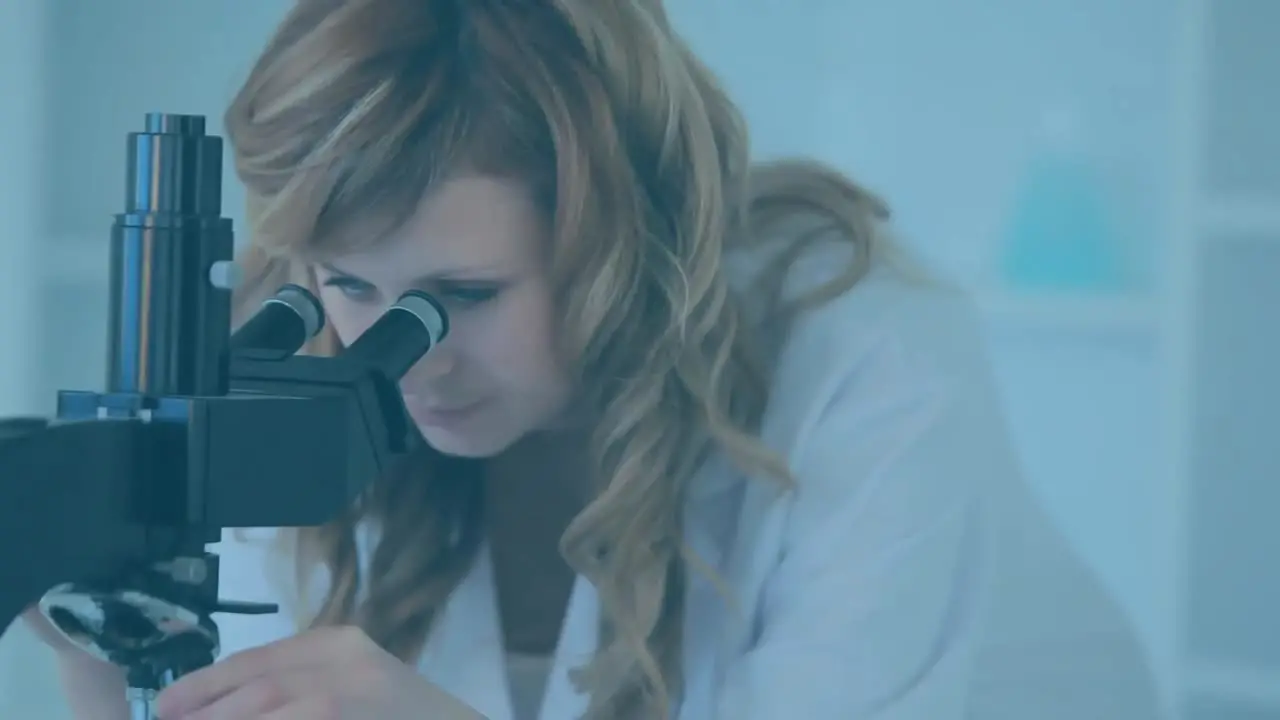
(469, 296)
(353, 289)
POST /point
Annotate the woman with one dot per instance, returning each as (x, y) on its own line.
(700, 444)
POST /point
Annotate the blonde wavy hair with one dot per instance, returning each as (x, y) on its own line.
(356, 108)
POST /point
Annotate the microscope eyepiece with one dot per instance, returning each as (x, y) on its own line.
(404, 333)
(174, 167)
(284, 323)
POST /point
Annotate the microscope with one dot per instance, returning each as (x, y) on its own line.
(106, 508)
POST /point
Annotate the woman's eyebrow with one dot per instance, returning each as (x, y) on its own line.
(474, 272)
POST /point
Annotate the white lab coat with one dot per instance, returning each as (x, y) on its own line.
(909, 577)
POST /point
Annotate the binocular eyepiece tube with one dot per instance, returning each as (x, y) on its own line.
(283, 324)
(399, 338)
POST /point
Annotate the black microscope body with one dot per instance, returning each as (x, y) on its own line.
(107, 508)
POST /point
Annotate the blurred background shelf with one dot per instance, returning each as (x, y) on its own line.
(1210, 680)
(1233, 218)
(1070, 313)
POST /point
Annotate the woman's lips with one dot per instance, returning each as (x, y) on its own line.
(441, 415)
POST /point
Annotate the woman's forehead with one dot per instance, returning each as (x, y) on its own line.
(463, 227)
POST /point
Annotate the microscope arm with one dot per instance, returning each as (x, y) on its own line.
(94, 500)
(65, 506)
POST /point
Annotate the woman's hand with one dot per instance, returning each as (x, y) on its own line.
(324, 674)
(44, 630)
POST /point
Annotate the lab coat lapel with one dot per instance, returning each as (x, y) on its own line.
(464, 653)
(710, 523)
(744, 570)
(579, 638)
(803, 384)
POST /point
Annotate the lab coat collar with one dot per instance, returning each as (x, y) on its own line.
(464, 653)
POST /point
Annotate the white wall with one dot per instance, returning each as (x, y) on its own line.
(936, 102)
(23, 75)
(23, 31)
(119, 60)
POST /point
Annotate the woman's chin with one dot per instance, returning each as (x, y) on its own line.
(461, 446)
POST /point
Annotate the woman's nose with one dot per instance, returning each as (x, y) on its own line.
(438, 363)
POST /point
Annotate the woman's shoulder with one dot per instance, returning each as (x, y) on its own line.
(928, 323)
(885, 389)
(897, 328)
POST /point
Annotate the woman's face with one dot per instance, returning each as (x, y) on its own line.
(479, 245)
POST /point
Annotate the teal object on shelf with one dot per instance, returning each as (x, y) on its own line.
(1060, 237)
